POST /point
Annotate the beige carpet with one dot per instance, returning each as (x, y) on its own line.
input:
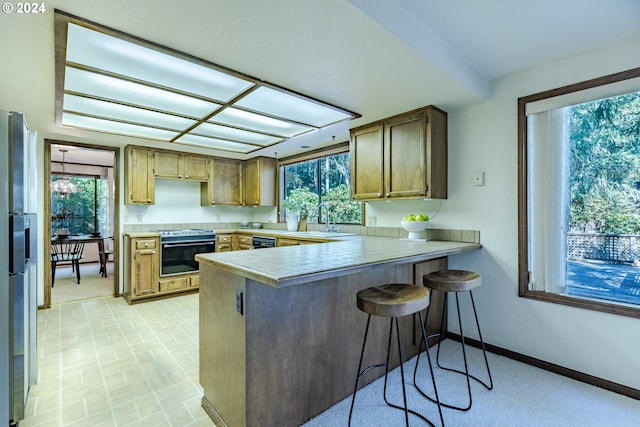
(92, 285)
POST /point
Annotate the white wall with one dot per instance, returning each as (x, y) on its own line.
(484, 137)
(600, 344)
(178, 202)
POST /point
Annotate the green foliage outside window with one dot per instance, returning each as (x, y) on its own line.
(323, 180)
(79, 211)
(605, 165)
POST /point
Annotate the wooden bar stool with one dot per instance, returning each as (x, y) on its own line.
(455, 281)
(393, 301)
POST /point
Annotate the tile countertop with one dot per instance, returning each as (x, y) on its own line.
(293, 265)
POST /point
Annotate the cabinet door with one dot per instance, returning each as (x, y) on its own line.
(146, 272)
(260, 177)
(405, 156)
(436, 298)
(225, 185)
(167, 165)
(140, 179)
(196, 168)
(366, 153)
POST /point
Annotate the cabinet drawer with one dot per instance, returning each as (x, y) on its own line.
(245, 240)
(145, 244)
(223, 238)
(194, 281)
(174, 284)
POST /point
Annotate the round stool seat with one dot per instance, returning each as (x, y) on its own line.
(452, 280)
(393, 300)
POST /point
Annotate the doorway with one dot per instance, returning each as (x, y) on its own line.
(81, 200)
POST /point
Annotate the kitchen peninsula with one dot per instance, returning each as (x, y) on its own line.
(280, 332)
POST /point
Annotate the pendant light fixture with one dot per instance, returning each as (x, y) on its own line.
(62, 186)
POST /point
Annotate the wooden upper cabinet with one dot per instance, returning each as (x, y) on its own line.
(167, 165)
(366, 152)
(196, 168)
(225, 185)
(403, 156)
(260, 182)
(139, 176)
(181, 166)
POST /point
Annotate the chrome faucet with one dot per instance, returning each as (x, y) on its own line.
(330, 228)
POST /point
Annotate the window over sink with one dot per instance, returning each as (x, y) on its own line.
(323, 177)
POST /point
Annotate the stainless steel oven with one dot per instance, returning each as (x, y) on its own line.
(179, 248)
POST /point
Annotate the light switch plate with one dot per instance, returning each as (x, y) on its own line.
(478, 178)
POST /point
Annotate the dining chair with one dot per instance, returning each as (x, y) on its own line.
(66, 251)
(104, 257)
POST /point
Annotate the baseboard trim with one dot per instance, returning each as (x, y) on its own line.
(551, 367)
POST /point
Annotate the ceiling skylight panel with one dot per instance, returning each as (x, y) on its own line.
(102, 86)
(216, 144)
(292, 107)
(109, 110)
(247, 120)
(101, 125)
(104, 52)
(224, 132)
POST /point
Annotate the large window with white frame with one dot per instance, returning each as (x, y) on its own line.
(579, 194)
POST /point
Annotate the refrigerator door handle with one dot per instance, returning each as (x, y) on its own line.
(17, 245)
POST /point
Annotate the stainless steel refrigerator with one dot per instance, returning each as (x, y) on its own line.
(18, 265)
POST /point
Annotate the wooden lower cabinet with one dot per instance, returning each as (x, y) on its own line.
(173, 284)
(142, 279)
(142, 256)
(437, 299)
(280, 356)
(290, 242)
(245, 242)
(194, 280)
(224, 242)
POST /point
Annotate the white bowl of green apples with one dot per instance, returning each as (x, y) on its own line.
(415, 225)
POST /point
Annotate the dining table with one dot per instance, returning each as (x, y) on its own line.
(85, 238)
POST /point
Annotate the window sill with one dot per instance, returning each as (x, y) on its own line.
(620, 309)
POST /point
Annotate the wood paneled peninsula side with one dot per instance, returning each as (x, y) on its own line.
(280, 332)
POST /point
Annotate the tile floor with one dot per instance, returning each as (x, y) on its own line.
(102, 362)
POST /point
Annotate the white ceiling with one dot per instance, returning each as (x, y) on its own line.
(374, 57)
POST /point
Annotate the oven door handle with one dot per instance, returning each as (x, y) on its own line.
(174, 245)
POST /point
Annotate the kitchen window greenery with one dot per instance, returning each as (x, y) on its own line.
(324, 178)
(579, 194)
(84, 211)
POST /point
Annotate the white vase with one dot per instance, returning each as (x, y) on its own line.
(292, 222)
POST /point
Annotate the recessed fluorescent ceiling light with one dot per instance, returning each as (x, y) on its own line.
(93, 123)
(135, 88)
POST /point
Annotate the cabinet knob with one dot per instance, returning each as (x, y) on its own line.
(146, 245)
(149, 200)
(379, 194)
(186, 176)
(179, 176)
(388, 195)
